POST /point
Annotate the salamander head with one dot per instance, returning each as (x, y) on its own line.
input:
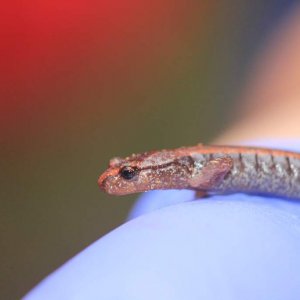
(147, 171)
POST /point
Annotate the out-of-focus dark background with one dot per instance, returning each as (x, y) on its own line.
(83, 81)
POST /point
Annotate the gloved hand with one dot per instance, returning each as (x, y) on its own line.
(222, 247)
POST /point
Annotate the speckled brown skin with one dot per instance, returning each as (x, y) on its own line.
(211, 169)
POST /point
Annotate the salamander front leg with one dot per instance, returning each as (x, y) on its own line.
(200, 194)
(212, 174)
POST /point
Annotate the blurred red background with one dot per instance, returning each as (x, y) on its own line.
(56, 49)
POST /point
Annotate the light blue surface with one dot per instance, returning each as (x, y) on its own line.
(224, 247)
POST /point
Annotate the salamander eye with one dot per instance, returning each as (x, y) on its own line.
(128, 172)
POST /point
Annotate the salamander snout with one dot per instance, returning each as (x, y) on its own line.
(106, 180)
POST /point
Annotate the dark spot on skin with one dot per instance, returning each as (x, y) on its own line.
(128, 172)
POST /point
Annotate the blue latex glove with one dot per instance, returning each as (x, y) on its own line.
(223, 247)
